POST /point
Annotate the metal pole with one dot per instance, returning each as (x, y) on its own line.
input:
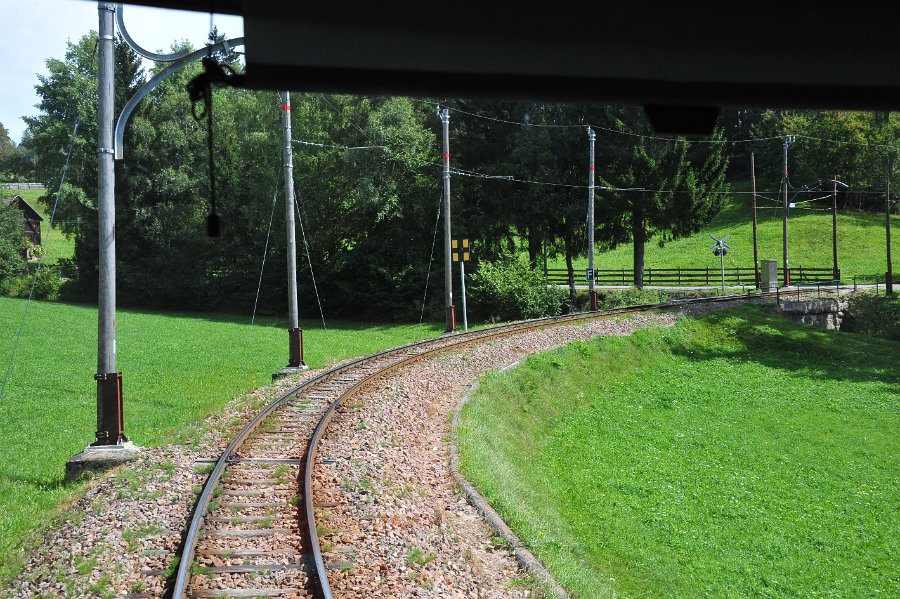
(889, 275)
(590, 224)
(295, 333)
(448, 264)
(722, 263)
(462, 289)
(787, 270)
(755, 224)
(110, 427)
(834, 244)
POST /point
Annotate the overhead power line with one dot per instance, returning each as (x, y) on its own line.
(665, 138)
(334, 147)
(608, 130)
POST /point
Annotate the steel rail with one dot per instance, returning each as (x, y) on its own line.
(318, 574)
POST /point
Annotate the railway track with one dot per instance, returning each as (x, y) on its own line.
(253, 530)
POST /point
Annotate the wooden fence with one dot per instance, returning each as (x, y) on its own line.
(21, 186)
(684, 277)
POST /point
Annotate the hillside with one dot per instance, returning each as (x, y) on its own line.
(861, 241)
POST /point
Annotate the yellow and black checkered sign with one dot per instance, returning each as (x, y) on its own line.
(461, 250)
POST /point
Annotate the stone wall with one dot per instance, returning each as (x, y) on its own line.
(824, 313)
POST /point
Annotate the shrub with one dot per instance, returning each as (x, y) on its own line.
(509, 290)
(46, 285)
(872, 314)
(12, 241)
(628, 297)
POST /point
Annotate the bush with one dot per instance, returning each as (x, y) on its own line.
(46, 286)
(872, 314)
(12, 242)
(628, 297)
(509, 290)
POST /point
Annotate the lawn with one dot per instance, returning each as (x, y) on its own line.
(178, 368)
(861, 242)
(735, 454)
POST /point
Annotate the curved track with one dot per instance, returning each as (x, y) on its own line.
(253, 530)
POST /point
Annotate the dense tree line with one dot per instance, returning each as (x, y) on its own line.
(369, 214)
(860, 148)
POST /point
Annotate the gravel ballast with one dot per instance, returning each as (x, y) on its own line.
(398, 524)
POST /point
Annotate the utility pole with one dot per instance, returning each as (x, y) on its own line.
(755, 223)
(590, 224)
(448, 264)
(110, 425)
(111, 447)
(889, 275)
(787, 271)
(834, 244)
(462, 290)
(295, 333)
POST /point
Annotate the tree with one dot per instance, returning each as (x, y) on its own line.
(13, 161)
(682, 178)
(368, 214)
(12, 241)
(677, 190)
(19, 164)
(68, 96)
(850, 145)
(7, 146)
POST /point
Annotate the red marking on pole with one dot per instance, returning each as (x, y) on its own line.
(445, 155)
(785, 171)
(592, 168)
(286, 107)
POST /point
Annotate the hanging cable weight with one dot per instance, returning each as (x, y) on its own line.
(200, 91)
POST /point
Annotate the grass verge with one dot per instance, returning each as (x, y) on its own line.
(735, 454)
(861, 242)
(178, 369)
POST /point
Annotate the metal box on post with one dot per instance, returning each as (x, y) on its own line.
(768, 275)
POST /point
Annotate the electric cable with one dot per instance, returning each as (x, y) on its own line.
(610, 130)
(851, 143)
(265, 252)
(412, 172)
(437, 221)
(478, 175)
(309, 261)
(40, 265)
(828, 197)
(318, 145)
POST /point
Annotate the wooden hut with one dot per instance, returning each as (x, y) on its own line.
(31, 220)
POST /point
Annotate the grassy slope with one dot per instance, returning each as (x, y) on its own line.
(734, 455)
(861, 242)
(56, 245)
(177, 369)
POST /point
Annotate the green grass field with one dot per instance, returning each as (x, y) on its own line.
(733, 455)
(56, 245)
(861, 242)
(177, 369)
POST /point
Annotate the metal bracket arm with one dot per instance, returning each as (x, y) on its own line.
(224, 45)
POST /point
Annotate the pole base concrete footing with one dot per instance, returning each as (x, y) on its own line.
(97, 458)
(288, 370)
